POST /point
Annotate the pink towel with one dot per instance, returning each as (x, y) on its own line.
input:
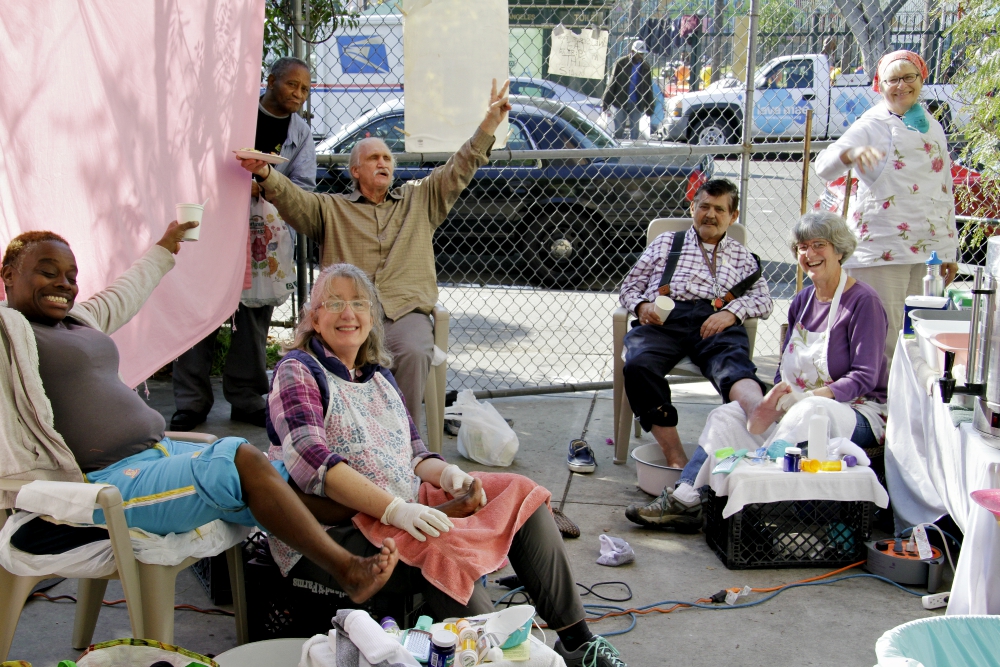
(477, 544)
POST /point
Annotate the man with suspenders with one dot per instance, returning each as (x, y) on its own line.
(716, 284)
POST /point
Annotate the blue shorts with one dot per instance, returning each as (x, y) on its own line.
(174, 487)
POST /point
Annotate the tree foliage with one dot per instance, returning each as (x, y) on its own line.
(324, 18)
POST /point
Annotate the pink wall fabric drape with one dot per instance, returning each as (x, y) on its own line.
(113, 112)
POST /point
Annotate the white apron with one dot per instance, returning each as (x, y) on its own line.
(804, 366)
(909, 210)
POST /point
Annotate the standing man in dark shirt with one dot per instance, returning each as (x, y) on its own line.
(280, 129)
(630, 91)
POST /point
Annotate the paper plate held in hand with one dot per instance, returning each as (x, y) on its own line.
(270, 158)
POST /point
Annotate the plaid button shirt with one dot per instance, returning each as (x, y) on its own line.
(692, 279)
(298, 433)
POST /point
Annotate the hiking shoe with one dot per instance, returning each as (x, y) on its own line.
(187, 420)
(665, 512)
(581, 457)
(253, 417)
(596, 652)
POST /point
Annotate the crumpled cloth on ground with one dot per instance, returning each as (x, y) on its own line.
(477, 545)
(615, 551)
(98, 560)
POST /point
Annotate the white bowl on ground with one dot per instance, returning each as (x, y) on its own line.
(652, 470)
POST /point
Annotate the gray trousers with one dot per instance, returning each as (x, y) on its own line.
(537, 555)
(244, 375)
(411, 341)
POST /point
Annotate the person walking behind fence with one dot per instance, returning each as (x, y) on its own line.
(904, 207)
(280, 129)
(630, 92)
(388, 233)
(716, 284)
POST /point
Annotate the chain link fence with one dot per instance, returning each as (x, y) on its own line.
(531, 258)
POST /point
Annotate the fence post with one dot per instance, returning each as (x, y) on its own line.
(299, 51)
(748, 111)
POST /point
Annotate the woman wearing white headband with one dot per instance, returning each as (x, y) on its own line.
(904, 207)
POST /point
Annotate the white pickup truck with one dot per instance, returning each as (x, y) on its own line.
(784, 89)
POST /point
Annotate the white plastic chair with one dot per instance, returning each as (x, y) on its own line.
(149, 589)
(619, 327)
(437, 381)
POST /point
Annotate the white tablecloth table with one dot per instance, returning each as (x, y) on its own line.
(931, 466)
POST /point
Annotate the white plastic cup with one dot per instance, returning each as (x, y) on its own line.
(190, 213)
(662, 307)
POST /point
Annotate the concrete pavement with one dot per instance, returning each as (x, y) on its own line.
(823, 625)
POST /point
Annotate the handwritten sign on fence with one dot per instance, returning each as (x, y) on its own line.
(580, 55)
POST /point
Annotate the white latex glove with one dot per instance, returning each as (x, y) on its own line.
(414, 518)
(786, 401)
(456, 481)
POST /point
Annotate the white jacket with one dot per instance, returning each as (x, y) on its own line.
(30, 447)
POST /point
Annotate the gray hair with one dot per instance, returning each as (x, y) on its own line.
(824, 225)
(356, 157)
(374, 349)
(280, 66)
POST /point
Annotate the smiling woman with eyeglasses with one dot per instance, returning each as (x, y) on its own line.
(903, 207)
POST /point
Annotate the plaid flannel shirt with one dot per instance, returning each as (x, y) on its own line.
(297, 427)
(692, 279)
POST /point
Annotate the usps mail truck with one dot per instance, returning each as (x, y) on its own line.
(355, 71)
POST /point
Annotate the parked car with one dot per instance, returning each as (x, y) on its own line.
(576, 223)
(549, 90)
(970, 201)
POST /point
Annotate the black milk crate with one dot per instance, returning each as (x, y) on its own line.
(213, 573)
(797, 533)
(280, 607)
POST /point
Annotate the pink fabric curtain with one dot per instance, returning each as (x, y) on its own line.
(112, 113)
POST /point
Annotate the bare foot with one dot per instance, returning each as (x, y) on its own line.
(766, 413)
(464, 505)
(365, 576)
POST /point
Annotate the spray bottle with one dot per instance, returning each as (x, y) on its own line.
(933, 282)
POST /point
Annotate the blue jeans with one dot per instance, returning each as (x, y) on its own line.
(634, 115)
(862, 437)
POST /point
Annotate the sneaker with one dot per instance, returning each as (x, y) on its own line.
(665, 512)
(253, 417)
(581, 457)
(596, 652)
(187, 420)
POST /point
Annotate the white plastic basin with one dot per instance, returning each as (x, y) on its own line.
(652, 470)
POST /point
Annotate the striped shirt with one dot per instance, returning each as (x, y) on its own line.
(692, 279)
(296, 424)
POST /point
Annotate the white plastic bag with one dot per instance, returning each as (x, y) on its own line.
(272, 261)
(485, 437)
(614, 551)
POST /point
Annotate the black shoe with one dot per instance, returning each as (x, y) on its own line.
(597, 652)
(187, 420)
(253, 417)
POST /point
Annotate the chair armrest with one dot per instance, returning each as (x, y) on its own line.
(190, 436)
(13, 485)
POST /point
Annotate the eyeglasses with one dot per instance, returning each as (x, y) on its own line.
(817, 246)
(907, 78)
(358, 306)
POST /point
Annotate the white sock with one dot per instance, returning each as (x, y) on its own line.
(685, 494)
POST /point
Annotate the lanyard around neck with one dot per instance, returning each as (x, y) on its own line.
(711, 265)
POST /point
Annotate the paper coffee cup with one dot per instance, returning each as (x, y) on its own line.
(662, 307)
(190, 213)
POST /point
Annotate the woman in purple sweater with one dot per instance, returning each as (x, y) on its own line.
(832, 362)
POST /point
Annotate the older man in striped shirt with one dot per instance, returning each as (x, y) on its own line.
(715, 283)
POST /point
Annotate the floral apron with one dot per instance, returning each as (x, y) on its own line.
(804, 362)
(907, 211)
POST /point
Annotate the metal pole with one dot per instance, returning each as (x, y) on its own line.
(804, 202)
(299, 51)
(748, 110)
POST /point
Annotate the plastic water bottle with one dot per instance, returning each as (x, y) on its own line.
(819, 438)
(933, 282)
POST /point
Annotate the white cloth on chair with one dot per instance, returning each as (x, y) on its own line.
(97, 558)
(794, 426)
(64, 501)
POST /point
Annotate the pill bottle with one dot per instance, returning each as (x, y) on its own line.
(442, 649)
(793, 459)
